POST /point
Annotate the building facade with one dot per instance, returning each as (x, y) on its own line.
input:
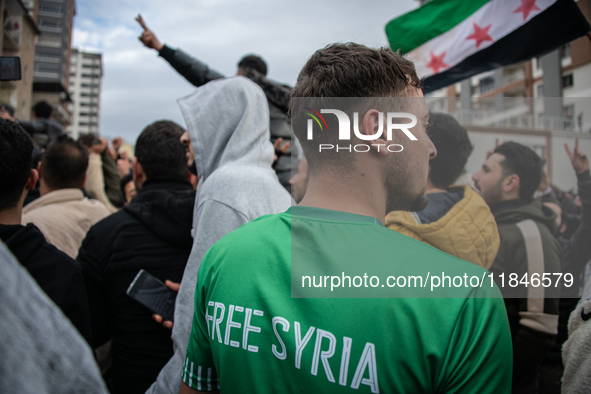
(52, 55)
(85, 86)
(543, 103)
(19, 35)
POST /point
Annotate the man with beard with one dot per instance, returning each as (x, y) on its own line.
(452, 212)
(255, 330)
(507, 182)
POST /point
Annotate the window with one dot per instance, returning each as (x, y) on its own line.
(487, 84)
(90, 85)
(90, 75)
(88, 95)
(50, 7)
(49, 23)
(89, 56)
(47, 55)
(90, 66)
(567, 81)
(565, 51)
(541, 90)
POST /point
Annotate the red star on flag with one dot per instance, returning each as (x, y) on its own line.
(437, 62)
(480, 34)
(526, 7)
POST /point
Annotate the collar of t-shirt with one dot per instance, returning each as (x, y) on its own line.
(328, 214)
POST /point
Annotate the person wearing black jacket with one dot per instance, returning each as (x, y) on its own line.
(507, 181)
(59, 276)
(152, 232)
(252, 67)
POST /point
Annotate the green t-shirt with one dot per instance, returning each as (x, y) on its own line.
(249, 335)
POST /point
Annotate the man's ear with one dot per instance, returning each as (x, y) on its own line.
(511, 183)
(40, 170)
(371, 126)
(138, 173)
(84, 181)
(137, 168)
(33, 178)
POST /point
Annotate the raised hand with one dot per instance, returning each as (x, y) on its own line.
(148, 38)
(280, 150)
(491, 151)
(578, 158)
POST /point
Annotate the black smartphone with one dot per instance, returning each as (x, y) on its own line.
(153, 294)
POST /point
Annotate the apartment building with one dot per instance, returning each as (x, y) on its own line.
(86, 72)
(19, 34)
(52, 54)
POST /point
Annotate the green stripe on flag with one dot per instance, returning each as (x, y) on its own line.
(415, 28)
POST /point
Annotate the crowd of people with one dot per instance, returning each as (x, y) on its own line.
(212, 212)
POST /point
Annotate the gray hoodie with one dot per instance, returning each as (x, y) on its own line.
(228, 120)
(41, 352)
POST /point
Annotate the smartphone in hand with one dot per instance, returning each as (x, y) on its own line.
(153, 294)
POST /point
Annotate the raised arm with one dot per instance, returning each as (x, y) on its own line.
(194, 71)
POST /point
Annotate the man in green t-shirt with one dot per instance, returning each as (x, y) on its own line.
(319, 298)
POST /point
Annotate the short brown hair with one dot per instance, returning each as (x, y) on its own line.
(349, 70)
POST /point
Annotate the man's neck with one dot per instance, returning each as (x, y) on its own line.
(324, 192)
(11, 215)
(431, 188)
(45, 189)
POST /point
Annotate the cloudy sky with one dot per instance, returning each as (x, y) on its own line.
(139, 87)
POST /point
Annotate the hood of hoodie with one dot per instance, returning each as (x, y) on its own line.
(228, 121)
(23, 241)
(166, 208)
(468, 230)
(535, 211)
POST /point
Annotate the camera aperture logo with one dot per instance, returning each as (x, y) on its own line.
(345, 129)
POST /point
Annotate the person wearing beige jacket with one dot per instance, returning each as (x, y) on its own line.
(62, 213)
(457, 220)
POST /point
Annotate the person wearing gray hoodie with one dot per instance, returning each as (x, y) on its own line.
(41, 351)
(228, 121)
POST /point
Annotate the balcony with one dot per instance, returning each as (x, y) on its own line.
(50, 29)
(12, 36)
(514, 77)
(511, 119)
(51, 14)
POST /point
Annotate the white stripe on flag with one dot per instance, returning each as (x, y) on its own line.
(455, 42)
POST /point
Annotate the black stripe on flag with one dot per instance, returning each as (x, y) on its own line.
(559, 24)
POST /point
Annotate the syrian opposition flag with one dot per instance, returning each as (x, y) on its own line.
(451, 40)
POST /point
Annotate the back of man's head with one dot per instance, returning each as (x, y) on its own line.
(453, 149)
(253, 62)
(16, 151)
(525, 163)
(64, 164)
(160, 152)
(348, 70)
(42, 109)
